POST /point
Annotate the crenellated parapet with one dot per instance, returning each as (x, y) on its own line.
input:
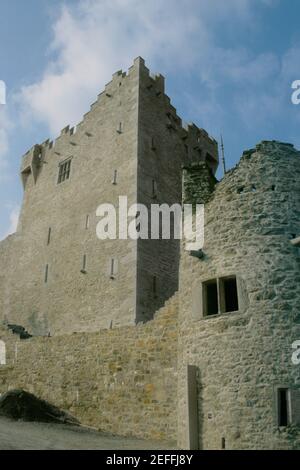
(197, 145)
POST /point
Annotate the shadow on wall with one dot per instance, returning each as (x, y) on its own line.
(200, 410)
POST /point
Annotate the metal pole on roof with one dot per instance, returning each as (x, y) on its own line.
(223, 155)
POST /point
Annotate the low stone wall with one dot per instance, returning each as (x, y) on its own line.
(122, 380)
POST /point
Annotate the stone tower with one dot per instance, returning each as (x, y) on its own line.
(239, 306)
(56, 276)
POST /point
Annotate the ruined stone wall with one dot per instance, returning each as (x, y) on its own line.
(244, 356)
(122, 380)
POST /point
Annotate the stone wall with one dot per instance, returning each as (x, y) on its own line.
(243, 356)
(122, 380)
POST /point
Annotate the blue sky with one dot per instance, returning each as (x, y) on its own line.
(229, 67)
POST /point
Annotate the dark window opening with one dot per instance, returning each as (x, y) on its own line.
(64, 171)
(220, 296)
(283, 402)
(112, 268)
(210, 160)
(153, 146)
(199, 151)
(230, 294)
(83, 269)
(46, 273)
(223, 443)
(210, 298)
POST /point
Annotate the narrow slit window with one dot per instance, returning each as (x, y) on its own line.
(115, 177)
(87, 222)
(112, 268)
(64, 171)
(210, 295)
(283, 406)
(49, 236)
(83, 269)
(46, 273)
(153, 146)
(120, 128)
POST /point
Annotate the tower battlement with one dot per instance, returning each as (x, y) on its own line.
(197, 142)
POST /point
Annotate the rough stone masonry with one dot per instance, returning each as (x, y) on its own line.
(143, 338)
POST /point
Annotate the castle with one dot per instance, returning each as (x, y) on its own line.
(143, 337)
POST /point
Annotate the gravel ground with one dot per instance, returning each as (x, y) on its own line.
(18, 435)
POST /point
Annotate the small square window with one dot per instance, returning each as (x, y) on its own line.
(220, 296)
(64, 171)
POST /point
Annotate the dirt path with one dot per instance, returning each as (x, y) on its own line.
(39, 436)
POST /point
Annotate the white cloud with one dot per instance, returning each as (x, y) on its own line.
(13, 221)
(5, 128)
(94, 38)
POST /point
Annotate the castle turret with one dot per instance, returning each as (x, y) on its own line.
(239, 311)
